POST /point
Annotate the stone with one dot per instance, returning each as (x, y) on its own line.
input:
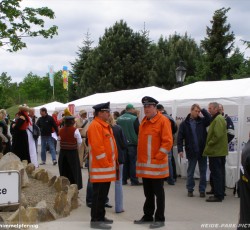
(72, 196)
(25, 163)
(14, 218)
(43, 176)
(61, 205)
(52, 180)
(30, 168)
(12, 162)
(40, 213)
(37, 172)
(61, 184)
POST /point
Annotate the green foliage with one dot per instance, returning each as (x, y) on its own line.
(167, 55)
(121, 61)
(78, 67)
(15, 24)
(217, 46)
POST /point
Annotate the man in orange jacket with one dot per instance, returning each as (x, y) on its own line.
(102, 163)
(154, 144)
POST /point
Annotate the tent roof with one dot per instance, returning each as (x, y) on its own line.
(212, 89)
(133, 96)
(50, 106)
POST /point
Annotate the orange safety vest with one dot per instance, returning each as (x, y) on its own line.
(155, 141)
(102, 152)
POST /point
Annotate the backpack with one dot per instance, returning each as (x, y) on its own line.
(36, 131)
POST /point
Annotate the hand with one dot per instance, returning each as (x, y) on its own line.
(181, 154)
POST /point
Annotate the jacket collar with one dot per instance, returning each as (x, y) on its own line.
(101, 122)
(154, 119)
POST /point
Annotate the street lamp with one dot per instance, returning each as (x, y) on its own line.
(180, 73)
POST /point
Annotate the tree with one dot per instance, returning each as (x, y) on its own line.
(121, 61)
(167, 55)
(78, 67)
(16, 24)
(6, 99)
(217, 46)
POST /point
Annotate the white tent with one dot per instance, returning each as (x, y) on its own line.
(234, 95)
(118, 99)
(49, 106)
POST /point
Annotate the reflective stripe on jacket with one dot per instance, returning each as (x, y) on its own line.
(102, 152)
(154, 143)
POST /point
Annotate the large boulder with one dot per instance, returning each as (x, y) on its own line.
(10, 161)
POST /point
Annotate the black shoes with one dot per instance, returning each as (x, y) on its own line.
(210, 192)
(213, 199)
(89, 205)
(137, 184)
(157, 224)
(202, 194)
(108, 221)
(42, 163)
(99, 225)
(107, 205)
(190, 194)
(144, 220)
(54, 162)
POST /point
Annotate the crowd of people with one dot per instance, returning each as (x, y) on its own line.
(120, 148)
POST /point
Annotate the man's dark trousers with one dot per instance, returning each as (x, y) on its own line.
(152, 188)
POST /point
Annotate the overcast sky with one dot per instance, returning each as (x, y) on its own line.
(77, 17)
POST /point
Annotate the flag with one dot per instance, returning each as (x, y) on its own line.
(51, 75)
(65, 77)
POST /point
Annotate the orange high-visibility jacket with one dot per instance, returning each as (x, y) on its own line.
(102, 152)
(154, 143)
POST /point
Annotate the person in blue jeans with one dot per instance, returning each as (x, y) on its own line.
(193, 131)
(121, 143)
(46, 123)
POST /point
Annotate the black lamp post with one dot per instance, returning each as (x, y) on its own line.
(180, 73)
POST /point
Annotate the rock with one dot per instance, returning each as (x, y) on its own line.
(52, 180)
(25, 163)
(14, 218)
(37, 172)
(40, 213)
(72, 196)
(12, 162)
(44, 177)
(30, 168)
(24, 201)
(61, 205)
(61, 184)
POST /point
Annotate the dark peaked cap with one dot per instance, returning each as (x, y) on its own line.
(149, 101)
(102, 107)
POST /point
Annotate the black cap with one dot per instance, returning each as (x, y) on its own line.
(160, 106)
(102, 107)
(149, 101)
(69, 117)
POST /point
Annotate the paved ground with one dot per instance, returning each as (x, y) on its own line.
(182, 212)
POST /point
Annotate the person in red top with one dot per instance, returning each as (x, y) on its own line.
(154, 144)
(68, 162)
(102, 163)
(20, 144)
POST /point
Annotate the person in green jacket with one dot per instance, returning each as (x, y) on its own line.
(130, 125)
(216, 149)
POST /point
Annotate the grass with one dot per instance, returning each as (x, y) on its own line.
(14, 109)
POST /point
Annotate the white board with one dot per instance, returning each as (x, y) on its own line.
(9, 187)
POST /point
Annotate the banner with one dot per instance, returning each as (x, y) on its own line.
(51, 75)
(65, 77)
